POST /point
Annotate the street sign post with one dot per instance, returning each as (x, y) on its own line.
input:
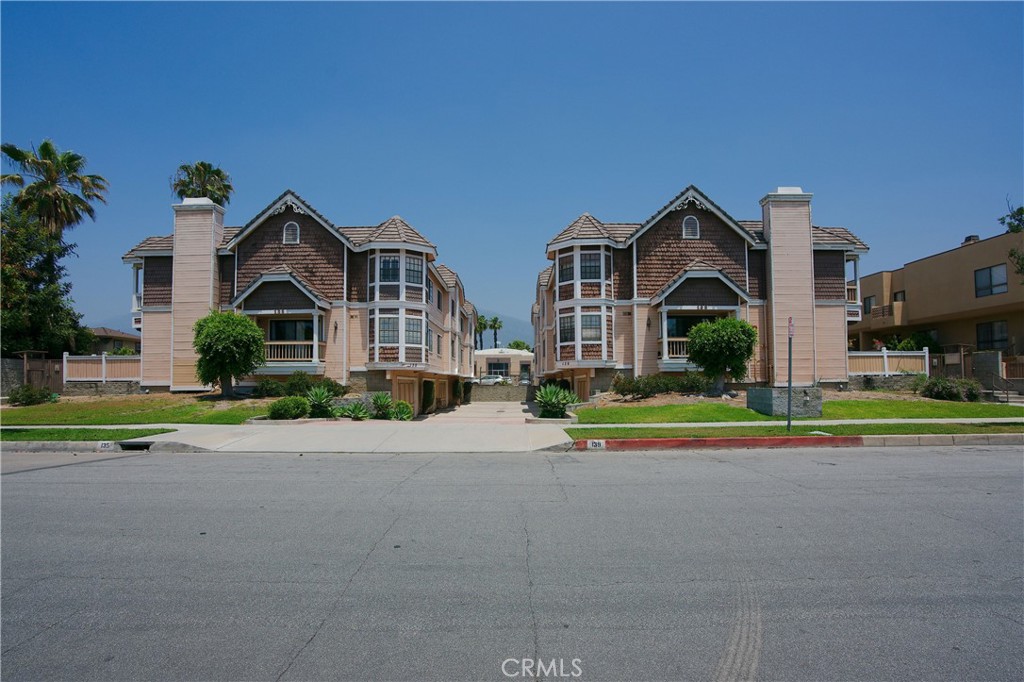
(789, 390)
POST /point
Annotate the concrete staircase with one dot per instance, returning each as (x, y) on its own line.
(1011, 397)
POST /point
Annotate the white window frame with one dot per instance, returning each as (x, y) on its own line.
(693, 233)
(284, 233)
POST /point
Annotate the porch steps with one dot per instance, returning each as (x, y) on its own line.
(1013, 398)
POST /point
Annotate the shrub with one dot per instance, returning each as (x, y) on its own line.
(337, 390)
(229, 346)
(381, 405)
(292, 407)
(457, 390)
(428, 395)
(957, 390)
(402, 411)
(722, 347)
(268, 388)
(918, 383)
(298, 384)
(320, 402)
(355, 411)
(29, 395)
(654, 384)
(553, 400)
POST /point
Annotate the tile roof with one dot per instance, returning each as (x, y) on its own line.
(107, 332)
(544, 278)
(394, 229)
(285, 270)
(589, 227)
(448, 275)
(693, 266)
(823, 236)
(151, 244)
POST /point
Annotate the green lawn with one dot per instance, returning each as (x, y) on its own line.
(833, 409)
(78, 434)
(132, 410)
(798, 430)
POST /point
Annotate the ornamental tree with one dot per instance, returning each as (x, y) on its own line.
(230, 346)
(722, 347)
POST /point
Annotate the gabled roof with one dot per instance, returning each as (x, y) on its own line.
(288, 198)
(448, 276)
(824, 237)
(151, 244)
(108, 333)
(692, 195)
(587, 227)
(283, 273)
(699, 269)
(544, 278)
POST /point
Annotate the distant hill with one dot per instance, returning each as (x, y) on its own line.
(512, 328)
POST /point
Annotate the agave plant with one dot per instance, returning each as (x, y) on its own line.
(320, 399)
(358, 412)
(402, 411)
(381, 404)
(553, 400)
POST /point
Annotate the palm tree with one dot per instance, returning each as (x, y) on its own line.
(202, 179)
(57, 192)
(481, 326)
(495, 325)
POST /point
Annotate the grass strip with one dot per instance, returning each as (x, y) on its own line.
(128, 411)
(798, 430)
(832, 409)
(78, 434)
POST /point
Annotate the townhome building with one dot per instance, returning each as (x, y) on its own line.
(968, 297)
(368, 306)
(622, 296)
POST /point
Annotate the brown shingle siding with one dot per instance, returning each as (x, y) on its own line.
(157, 277)
(318, 257)
(226, 273)
(758, 274)
(702, 291)
(357, 277)
(829, 275)
(277, 296)
(662, 252)
(622, 268)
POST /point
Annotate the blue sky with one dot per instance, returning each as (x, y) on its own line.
(490, 127)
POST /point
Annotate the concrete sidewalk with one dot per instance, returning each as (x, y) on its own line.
(808, 422)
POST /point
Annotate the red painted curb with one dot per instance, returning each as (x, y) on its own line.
(695, 443)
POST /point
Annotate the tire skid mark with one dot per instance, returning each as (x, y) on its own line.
(739, 661)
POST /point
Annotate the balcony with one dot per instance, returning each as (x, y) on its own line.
(677, 348)
(675, 357)
(136, 303)
(885, 316)
(293, 351)
(853, 306)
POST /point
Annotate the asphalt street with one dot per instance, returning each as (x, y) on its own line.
(812, 564)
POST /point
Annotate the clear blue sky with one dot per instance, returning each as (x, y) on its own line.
(490, 127)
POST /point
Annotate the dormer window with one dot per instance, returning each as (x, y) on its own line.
(291, 233)
(691, 228)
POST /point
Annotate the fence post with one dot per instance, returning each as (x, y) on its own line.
(927, 363)
(103, 367)
(64, 369)
(885, 362)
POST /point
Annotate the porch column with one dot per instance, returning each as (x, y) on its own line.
(316, 336)
(664, 334)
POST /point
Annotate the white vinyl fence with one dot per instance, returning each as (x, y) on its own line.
(103, 368)
(886, 363)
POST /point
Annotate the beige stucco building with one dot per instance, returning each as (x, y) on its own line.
(621, 297)
(967, 296)
(367, 306)
(507, 362)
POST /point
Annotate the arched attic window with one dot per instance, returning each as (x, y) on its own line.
(691, 228)
(291, 233)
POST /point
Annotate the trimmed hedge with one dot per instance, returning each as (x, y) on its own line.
(655, 384)
(292, 407)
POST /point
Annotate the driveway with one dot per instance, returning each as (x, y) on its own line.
(483, 413)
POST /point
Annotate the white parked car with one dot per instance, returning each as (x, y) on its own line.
(491, 379)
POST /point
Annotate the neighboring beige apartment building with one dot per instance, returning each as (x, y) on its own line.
(507, 362)
(367, 306)
(110, 340)
(967, 296)
(621, 297)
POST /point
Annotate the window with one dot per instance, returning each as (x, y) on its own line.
(118, 344)
(439, 300)
(389, 267)
(679, 326)
(993, 336)
(388, 330)
(590, 265)
(565, 269)
(430, 290)
(566, 329)
(439, 344)
(413, 331)
(430, 342)
(291, 233)
(869, 303)
(590, 327)
(989, 281)
(414, 270)
(691, 228)
(372, 270)
(899, 296)
(499, 368)
(293, 330)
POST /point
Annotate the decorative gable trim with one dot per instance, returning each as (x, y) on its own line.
(692, 196)
(288, 199)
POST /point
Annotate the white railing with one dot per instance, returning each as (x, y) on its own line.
(678, 348)
(888, 362)
(292, 351)
(103, 368)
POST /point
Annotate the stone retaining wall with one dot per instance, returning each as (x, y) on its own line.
(75, 388)
(12, 372)
(484, 394)
(895, 382)
(774, 401)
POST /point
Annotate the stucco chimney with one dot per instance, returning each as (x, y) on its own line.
(198, 231)
(786, 214)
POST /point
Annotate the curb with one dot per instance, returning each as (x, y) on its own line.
(93, 446)
(798, 442)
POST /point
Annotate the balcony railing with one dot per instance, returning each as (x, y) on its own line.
(292, 351)
(136, 303)
(851, 294)
(678, 348)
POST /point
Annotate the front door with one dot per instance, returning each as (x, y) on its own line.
(581, 387)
